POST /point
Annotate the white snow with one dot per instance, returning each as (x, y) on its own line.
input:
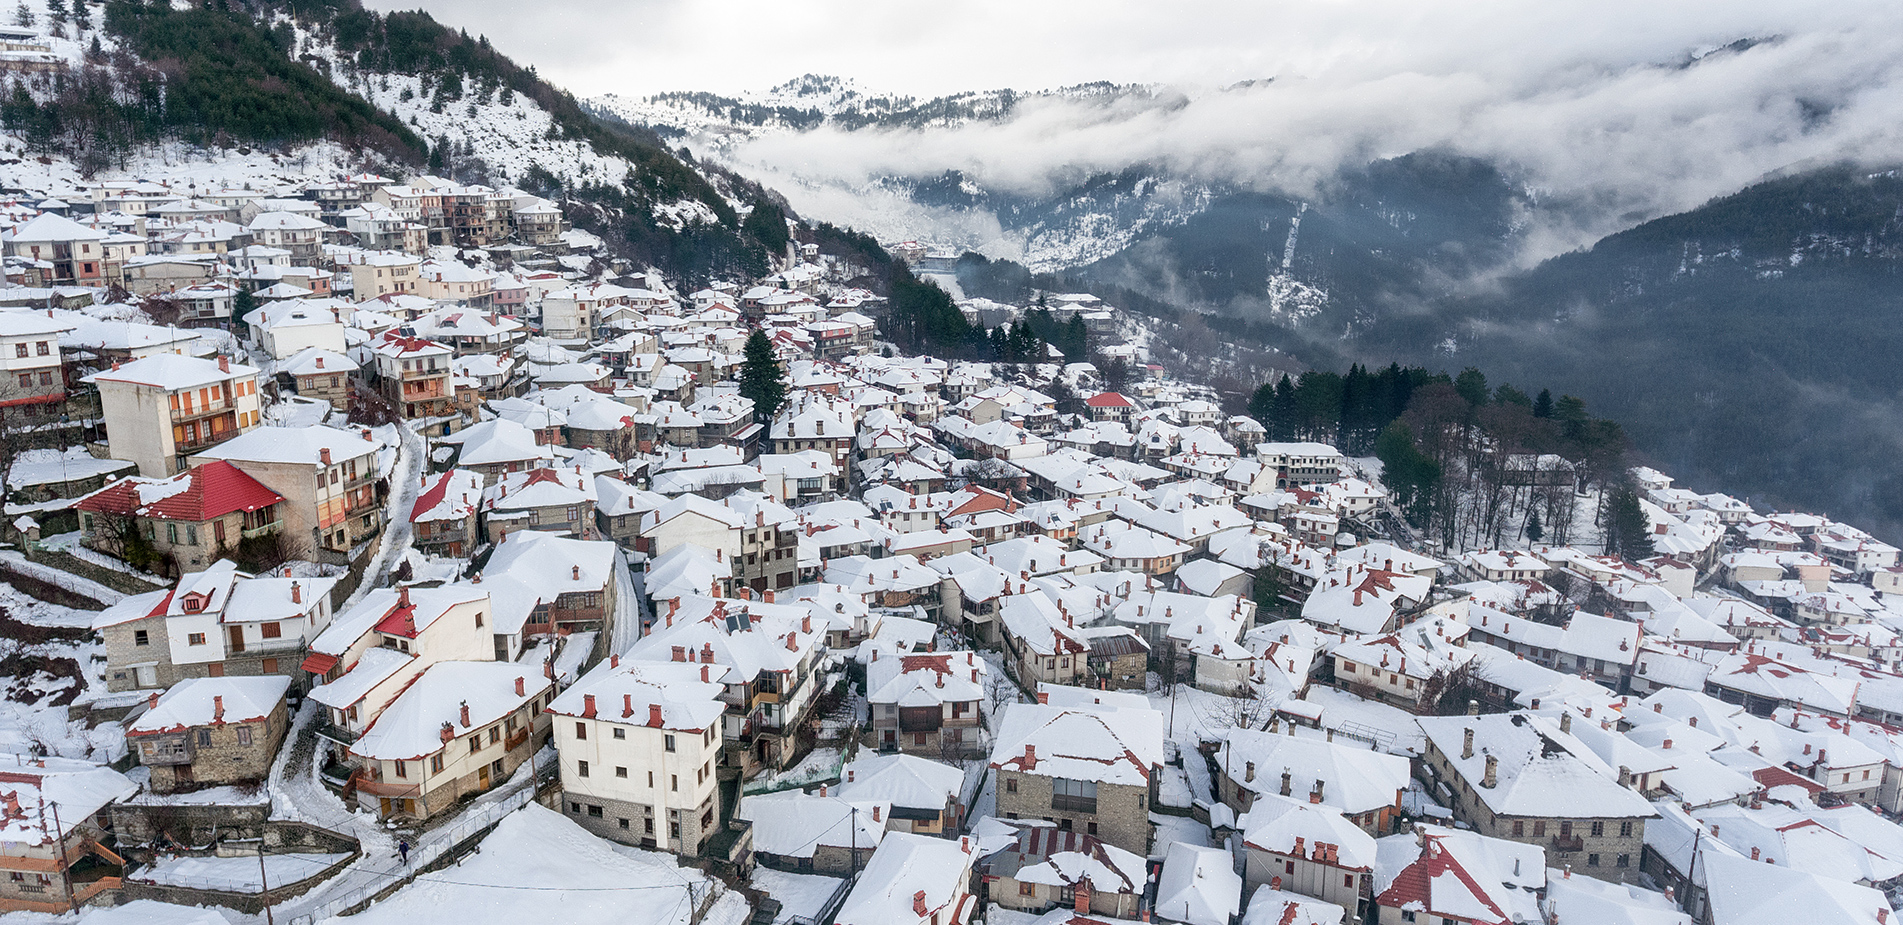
(236, 874)
(800, 895)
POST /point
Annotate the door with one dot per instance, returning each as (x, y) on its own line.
(383, 807)
(148, 675)
(237, 639)
(482, 777)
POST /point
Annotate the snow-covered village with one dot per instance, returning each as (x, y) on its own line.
(381, 545)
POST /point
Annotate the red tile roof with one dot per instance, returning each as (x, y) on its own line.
(212, 491)
(1107, 400)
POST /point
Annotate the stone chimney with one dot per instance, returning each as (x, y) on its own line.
(1248, 772)
(1492, 777)
(1566, 721)
(1467, 744)
(1288, 782)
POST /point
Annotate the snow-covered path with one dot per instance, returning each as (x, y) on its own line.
(406, 480)
(71, 582)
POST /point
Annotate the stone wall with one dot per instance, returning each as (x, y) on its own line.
(1122, 817)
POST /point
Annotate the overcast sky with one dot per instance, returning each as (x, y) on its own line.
(637, 47)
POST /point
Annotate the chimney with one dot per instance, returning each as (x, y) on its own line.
(614, 661)
(1625, 776)
(1566, 721)
(851, 774)
(792, 642)
(1083, 898)
(654, 715)
(574, 572)
(1467, 744)
(680, 653)
(1473, 706)
(1248, 772)
(1287, 782)
(1492, 777)
(822, 790)
(1044, 697)
(703, 673)
(323, 455)
(875, 814)
(153, 702)
(217, 708)
(448, 733)
(403, 596)
(297, 593)
(1275, 883)
(588, 705)
(918, 903)
(1030, 757)
(465, 714)
(224, 364)
(1315, 795)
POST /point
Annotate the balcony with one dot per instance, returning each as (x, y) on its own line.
(1567, 843)
(192, 410)
(381, 788)
(515, 738)
(252, 533)
(1066, 803)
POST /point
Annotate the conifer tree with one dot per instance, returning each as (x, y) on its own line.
(761, 378)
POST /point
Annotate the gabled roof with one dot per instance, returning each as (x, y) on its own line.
(212, 702)
(197, 495)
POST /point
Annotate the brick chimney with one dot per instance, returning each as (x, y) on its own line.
(918, 903)
(297, 593)
(588, 705)
(217, 708)
(152, 703)
(1083, 897)
(654, 714)
(1030, 757)
(574, 572)
(323, 455)
(403, 596)
(1492, 776)
(875, 814)
(520, 686)
(448, 733)
(1315, 795)
(465, 714)
(224, 364)
(703, 672)
(627, 705)
(1043, 697)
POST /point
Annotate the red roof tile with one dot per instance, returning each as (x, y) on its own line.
(1107, 400)
(212, 491)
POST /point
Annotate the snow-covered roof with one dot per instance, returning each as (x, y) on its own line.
(415, 724)
(213, 702)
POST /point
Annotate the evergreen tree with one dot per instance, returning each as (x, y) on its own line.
(1408, 474)
(1262, 404)
(1533, 529)
(82, 17)
(23, 16)
(1543, 405)
(1076, 343)
(56, 11)
(761, 378)
(1472, 386)
(1628, 532)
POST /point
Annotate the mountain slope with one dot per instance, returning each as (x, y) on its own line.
(1750, 344)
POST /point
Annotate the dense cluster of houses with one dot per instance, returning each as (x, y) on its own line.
(990, 586)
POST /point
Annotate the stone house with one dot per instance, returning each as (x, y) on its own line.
(1041, 871)
(206, 732)
(1089, 767)
(459, 729)
(929, 703)
(190, 519)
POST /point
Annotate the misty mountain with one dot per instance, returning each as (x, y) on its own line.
(1749, 345)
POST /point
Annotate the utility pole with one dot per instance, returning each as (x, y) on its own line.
(264, 885)
(59, 840)
(854, 855)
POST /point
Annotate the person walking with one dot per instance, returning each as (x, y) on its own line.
(403, 850)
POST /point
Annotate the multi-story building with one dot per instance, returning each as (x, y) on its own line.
(301, 235)
(380, 273)
(207, 732)
(215, 623)
(161, 409)
(32, 383)
(52, 820)
(775, 650)
(461, 728)
(640, 744)
(443, 518)
(927, 703)
(76, 253)
(1299, 845)
(1499, 773)
(328, 478)
(1089, 764)
(196, 516)
(414, 373)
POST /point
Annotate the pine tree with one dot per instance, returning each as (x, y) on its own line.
(1533, 529)
(1628, 531)
(23, 16)
(82, 17)
(1543, 405)
(761, 378)
(56, 11)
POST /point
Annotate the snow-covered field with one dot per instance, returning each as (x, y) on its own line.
(539, 867)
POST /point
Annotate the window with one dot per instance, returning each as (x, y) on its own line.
(271, 630)
(623, 822)
(620, 733)
(1625, 829)
(495, 734)
(581, 769)
(141, 638)
(1598, 829)
(44, 349)
(204, 738)
(436, 764)
(1592, 860)
(594, 811)
(1348, 881)
(1539, 828)
(46, 377)
(402, 769)
(581, 730)
(1407, 915)
(26, 380)
(171, 534)
(1566, 828)
(19, 350)
(674, 782)
(244, 735)
(1074, 795)
(1010, 785)
(194, 639)
(1024, 888)
(667, 742)
(1625, 860)
(621, 772)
